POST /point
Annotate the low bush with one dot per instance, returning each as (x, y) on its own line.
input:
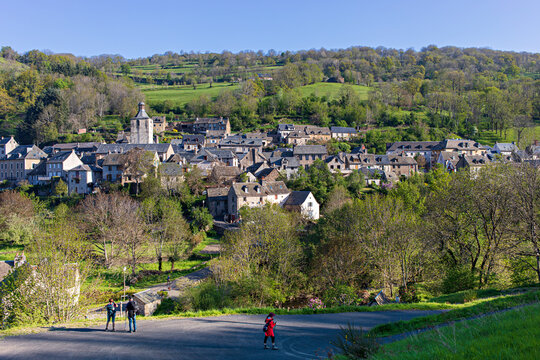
(354, 343)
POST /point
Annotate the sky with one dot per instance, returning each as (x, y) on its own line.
(142, 28)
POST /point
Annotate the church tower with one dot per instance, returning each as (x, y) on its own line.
(142, 128)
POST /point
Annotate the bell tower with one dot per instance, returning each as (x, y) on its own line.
(142, 128)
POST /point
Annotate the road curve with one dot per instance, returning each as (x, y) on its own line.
(223, 337)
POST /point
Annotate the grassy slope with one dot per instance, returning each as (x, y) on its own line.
(183, 94)
(331, 90)
(474, 308)
(511, 335)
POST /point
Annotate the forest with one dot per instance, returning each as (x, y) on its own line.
(430, 94)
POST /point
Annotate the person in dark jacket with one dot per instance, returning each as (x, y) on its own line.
(111, 313)
(269, 333)
(132, 314)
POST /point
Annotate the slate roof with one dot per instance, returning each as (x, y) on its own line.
(309, 150)
(82, 167)
(217, 192)
(25, 152)
(5, 140)
(261, 174)
(342, 130)
(411, 146)
(297, 198)
(171, 169)
(39, 170)
(84, 146)
(267, 188)
(122, 148)
(241, 142)
(290, 162)
(506, 147)
(285, 127)
(59, 156)
(193, 139)
(142, 113)
(457, 144)
(147, 296)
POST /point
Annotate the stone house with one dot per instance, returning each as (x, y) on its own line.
(337, 163)
(202, 125)
(303, 202)
(413, 149)
(240, 145)
(80, 180)
(286, 165)
(448, 160)
(164, 151)
(250, 158)
(472, 163)
(60, 163)
(117, 167)
(171, 175)
(254, 195)
(343, 133)
(147, 302)
(217, 200)
(307, 154)
(193, 142)
(505, 148)
(160, 124)
(19, 162)
(7, 144)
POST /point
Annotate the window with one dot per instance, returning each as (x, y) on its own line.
(310, 204)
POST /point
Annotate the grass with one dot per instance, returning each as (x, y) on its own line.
(510, 335)
(463, 311)
(488, 137)
(331, 90)
(8, 252)
(182, 94)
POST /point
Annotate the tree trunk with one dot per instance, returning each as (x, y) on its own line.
(160, 261)
(172, 265)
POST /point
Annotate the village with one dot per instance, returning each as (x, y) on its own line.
(246, 169)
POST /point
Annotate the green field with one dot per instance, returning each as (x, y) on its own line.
(331, 90)
(489, 137)
(183, 94)
(514, 334)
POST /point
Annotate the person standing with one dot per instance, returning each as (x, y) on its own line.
(111, 314)
(132, 314)
(269, 326)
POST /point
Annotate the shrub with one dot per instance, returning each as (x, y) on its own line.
(355, 343)
(458, 279)
(316, 303)
(207, 296)
(342, 295)
(470, 295)
(408, 294)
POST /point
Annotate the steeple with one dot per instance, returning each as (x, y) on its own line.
(142, 112)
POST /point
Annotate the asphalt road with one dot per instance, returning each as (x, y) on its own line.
(224, 337)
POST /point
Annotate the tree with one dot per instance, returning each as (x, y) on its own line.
(61, 188)
(104, 218)
(179, 245)
(525, 180)
(202, 219)
(125, 69)
(264, 253)
(18, 222)
(137, 164)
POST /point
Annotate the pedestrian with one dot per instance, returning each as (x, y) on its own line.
(269, 331)
(132, 314)
(111, 313)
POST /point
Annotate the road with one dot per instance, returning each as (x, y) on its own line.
(224, 337)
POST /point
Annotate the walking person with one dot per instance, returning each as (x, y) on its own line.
(132, 314)
(111, 314)
(269, 331)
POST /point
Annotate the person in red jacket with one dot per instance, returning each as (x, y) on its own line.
(269, 333)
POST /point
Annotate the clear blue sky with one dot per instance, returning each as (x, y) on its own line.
(142, 28)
